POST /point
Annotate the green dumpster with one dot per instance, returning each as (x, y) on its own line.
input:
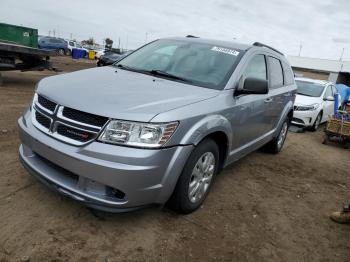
(19, 35)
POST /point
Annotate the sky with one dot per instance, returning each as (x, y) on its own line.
(320, 27)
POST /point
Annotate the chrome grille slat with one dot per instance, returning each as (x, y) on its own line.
(83, 117)
(63, 128)
(61, 116)
(44, 104)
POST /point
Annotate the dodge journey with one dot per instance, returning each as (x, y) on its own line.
(157, 127)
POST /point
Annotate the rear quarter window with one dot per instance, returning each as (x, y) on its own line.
(276, 72)
(288, 74)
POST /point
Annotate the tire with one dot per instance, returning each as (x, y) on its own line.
(275, 145)
(325, 139)
(317, 122)
(68, 52)
(185, 201)
(61, 51)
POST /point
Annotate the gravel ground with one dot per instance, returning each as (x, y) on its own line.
(262, 208)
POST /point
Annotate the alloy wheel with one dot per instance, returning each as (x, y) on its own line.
(201, 177)
(282, 135)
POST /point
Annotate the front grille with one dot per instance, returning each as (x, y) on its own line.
(73, 133)
(66, 124)
(83, 117)
(46, 103)
(42, 120)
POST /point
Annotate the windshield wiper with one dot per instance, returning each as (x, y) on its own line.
(126, 67)
(154, 72)
(168, 75)
(304, 94)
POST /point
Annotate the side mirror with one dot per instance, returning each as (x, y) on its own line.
(328, 98)
(253, 85)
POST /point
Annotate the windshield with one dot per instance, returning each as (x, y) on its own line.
(309, 88)
(200, 64)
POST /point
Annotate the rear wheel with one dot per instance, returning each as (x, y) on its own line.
(61, 51)
(69, 53)
(275, 146)
(196, 179)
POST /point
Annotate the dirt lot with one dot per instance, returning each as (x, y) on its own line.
(262, 208)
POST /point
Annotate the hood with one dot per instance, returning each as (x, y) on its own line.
(301, 100)
(120, 94)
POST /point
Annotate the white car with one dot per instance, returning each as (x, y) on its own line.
(73, 44)
(314, 102)
(99, 53)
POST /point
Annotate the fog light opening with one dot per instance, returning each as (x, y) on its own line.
(117, 193)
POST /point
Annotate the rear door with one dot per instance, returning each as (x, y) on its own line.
(277, 92)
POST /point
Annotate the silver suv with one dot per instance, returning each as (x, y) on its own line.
(159, 125)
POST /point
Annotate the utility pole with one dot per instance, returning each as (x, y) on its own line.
(49, 32)
(342, 54)
(54, 33)
(71, 36)
(300, 47)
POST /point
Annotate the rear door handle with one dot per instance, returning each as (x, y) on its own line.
(268, 100)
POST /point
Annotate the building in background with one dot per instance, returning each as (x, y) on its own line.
(333, 70)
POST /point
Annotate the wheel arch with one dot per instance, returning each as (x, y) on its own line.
(215, 127)
(287, 112)
(221, 139)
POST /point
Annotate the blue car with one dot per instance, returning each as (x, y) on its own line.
(53, 43)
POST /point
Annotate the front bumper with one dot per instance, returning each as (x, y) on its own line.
(304, 118)
(102, 176)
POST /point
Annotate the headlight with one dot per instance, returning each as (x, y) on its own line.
(307, 108)
(137, 134)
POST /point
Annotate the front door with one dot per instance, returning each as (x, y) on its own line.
(249, 116)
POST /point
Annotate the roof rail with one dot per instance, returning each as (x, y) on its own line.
(267, 46)
(192, 36)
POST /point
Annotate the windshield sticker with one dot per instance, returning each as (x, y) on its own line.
(225, 50)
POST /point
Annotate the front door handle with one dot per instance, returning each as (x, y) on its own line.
(268, 100)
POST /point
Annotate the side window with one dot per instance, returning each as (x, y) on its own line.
(276, 73)
(288, 74)
(328, 92)
(256, 68)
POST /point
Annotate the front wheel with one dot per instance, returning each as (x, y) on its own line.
(275, 146)
(196, 178)
(316, 123)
